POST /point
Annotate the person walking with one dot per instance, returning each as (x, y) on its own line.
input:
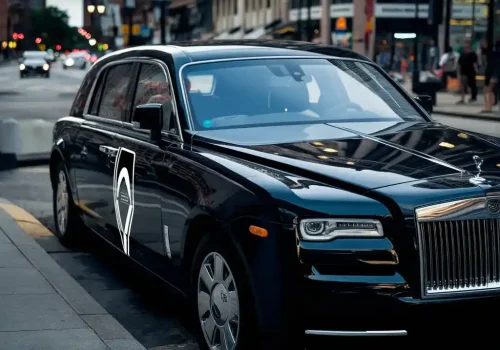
(492, 78)
(449, 65)
(467, 70)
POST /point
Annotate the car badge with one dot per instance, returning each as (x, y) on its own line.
(476, 180)
(493, 206)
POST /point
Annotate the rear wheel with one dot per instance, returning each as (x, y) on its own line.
(68, 223)
(221, 296)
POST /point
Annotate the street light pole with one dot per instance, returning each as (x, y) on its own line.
(416, 71)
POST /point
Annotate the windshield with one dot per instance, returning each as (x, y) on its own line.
(252, 93)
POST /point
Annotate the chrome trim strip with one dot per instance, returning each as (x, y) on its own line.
(401, 148)
(471, 208)
(395, 333)
(183, 88)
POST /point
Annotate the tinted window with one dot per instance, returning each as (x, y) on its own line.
(153, 87)
(94, 104)
(290, 91)
(82, 95)
(114, 98)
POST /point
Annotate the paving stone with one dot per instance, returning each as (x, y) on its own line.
(74, 339)
(37, 312)
(10, 256)
(18, 280)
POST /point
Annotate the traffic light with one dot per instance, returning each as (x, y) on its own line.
(38, 40)
(15, 36)
(20, 36)
(58, 47)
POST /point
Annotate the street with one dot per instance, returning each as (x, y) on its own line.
(156, 319)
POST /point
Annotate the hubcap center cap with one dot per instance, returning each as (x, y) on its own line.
(219, 304)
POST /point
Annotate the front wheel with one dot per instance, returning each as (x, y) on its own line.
(67, 221)
(221, 296)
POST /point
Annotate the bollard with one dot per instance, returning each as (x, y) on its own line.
(10, 143)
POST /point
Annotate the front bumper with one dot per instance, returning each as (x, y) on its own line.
(343, 298)
(34, 71)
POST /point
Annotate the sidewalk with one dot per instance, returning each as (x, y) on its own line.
(41, 306)
(447, 105)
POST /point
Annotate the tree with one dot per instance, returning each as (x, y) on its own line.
(51, 25)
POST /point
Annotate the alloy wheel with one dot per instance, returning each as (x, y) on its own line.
(62, 202)
(218, 303)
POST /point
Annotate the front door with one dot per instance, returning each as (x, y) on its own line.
(97, 164)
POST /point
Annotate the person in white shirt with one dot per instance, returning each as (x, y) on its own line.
(449, 65)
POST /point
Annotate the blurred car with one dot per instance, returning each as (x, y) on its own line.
(75, 60)
(34, 66)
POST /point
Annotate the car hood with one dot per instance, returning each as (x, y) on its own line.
(366, 155)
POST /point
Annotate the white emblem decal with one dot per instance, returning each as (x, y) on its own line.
(123, 194)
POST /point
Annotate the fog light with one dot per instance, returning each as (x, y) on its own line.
(22, 67)
(45, 66)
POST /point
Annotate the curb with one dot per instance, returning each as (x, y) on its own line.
(468, 116)
(17, 224)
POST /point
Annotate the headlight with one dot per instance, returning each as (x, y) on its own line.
(22, 67)
(45, 66)
(328, 229)
(70, 62)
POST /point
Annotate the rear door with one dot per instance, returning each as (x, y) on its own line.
(148, 239)
(104, 117)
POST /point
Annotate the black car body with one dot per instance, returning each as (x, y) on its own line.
(34, 66)
(363, 220)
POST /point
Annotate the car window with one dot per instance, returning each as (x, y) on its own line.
(114, 98)
(251, 93)
(96, 98)
(153, 87)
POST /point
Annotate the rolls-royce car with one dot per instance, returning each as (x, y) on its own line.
(34, 66)
(291, 191)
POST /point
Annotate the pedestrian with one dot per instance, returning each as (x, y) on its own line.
(449, 65)
(467, 69)
(492, 78)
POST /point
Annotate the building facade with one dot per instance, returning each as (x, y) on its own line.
(397, 23)
(248, 19)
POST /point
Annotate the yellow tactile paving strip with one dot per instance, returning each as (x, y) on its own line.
(26, 221)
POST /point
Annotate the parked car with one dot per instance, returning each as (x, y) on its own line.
(291, 191)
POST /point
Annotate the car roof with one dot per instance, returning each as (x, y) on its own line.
(227, 49)
(195, 51)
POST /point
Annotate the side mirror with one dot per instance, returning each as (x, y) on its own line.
(149, 117)
(425, 102)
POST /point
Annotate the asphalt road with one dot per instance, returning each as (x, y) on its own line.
(155, 317)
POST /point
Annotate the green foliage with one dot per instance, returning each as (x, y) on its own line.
(51, 24)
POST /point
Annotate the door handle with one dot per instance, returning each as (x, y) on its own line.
(110, 151)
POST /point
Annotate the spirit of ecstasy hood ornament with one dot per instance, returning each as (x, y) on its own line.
(477, 179)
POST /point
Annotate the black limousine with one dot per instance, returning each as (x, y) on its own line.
(290, 190)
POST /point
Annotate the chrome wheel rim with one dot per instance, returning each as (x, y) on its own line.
(218, 303)
(62, 202)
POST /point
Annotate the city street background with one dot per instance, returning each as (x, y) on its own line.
(153, 316)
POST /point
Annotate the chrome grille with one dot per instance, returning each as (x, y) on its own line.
(461, 254)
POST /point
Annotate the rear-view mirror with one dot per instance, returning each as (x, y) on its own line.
(425, 102)
(149, 117)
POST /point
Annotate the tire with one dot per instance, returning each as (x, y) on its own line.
(21, 76)
(64, 67)
(47, 75)
(219, 309)
(68, 225)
